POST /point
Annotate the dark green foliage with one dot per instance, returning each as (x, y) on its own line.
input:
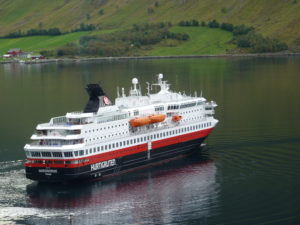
(213, 24)
(187, 23)
(54, 31)
(85, 27)
(60, 52)
(47, 53)
(179, 36)
(259, 44)
(14, 34)
(244, 36)
(181, 23)
(101, 12)
(51, 31)
(123, 42)
(33, 32)
(242, 29)
(193, 23)
(227, 26)
(156, 4)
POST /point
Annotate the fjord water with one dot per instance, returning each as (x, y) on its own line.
(248, 172)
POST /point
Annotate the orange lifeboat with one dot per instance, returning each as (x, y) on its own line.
(142, 121)
(157, 118)
(176, 118)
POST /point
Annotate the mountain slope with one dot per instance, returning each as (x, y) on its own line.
(277, 18)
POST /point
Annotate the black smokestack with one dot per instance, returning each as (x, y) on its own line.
(95, 92)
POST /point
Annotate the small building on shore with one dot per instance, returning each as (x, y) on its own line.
(14, 52)
(37, 57)
(7, 56)
(18, 53)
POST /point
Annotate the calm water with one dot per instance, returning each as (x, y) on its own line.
(248, 172)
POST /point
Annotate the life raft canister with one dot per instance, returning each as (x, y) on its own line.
(176, 118)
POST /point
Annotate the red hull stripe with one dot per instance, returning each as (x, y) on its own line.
(122, 152)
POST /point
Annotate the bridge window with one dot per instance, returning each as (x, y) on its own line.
(36, 154)
(46, 154)
(68, 154)
(59, 154)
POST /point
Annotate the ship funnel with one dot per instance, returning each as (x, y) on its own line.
(97, 98)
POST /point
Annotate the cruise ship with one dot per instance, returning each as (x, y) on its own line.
(107, 139)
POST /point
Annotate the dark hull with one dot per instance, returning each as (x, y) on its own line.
(122, 165)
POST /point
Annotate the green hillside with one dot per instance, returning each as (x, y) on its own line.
(275, 18)
(202, 40)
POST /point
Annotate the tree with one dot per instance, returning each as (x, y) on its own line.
(101, 12)
(227, 26)
(54, 31)
(213, 24)
(181, 23)
(195, 23)
(242, 29)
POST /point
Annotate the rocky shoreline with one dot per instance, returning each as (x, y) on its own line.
(124, 58)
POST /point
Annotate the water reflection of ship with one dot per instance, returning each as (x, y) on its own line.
(146, 194)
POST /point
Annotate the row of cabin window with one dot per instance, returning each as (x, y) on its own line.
(60, 162)
(191, 111)
(170, 107)
(184, 105)
(104, 128)
(181, 106)
(120, 144)
(159, 108)
(51, 154)
(108, 136)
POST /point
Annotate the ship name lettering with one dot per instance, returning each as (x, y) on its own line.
(104, 164)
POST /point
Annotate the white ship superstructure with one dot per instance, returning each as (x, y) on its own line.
(106, 139)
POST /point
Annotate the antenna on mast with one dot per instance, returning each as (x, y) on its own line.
(118, 94)
(148, 88)
(140, 89)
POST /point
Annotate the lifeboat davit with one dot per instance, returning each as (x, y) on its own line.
(142, 121)
(176, 118)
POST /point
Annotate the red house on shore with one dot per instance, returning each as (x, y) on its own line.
(14, 52)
